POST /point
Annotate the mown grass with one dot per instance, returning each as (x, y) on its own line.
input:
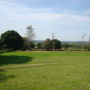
(12, 58)
(67, 71)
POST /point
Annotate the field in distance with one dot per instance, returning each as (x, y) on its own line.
(45, 71)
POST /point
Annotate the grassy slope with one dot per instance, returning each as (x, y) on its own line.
(71, 73)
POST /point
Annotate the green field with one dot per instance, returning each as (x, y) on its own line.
(45, 71)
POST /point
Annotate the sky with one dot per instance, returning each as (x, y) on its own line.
(69, 20)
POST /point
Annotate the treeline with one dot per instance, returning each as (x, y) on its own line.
(48, 44)
(11, 40)
(76, 46)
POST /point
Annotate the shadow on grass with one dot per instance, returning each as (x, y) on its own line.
(5, 60)
(4, 77)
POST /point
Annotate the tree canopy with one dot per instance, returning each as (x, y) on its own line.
(56, 44)
(47, 44)
(52, 44)
(11, 40)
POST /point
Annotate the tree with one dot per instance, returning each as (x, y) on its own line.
(66, 46)
(52, 44)
(39, 45)
(30, 35)
(11, 40)
(27, 43)
(47, 44)
(56, 44)
(0, 44)
(88, 47)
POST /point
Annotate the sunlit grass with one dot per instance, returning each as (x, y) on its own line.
(68, 71)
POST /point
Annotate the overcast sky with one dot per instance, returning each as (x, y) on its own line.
(68, 19)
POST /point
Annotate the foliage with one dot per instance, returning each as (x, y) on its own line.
(76, 46)
(47, 44)
(31, 45)
(39, 45)
(66, 46)
(28, 45)
(0, 44)
(11, 40)
(56, 44)
(51, 44)
(88, 47)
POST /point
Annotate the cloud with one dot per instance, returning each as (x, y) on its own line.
(15, 11)
(87, 12)
(77, 1)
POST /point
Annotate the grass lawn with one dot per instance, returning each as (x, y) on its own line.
(45, 71)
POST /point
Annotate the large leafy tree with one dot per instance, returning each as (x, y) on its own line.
(11, 40)
(47, 44)
(56, 44)
(52, 44)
